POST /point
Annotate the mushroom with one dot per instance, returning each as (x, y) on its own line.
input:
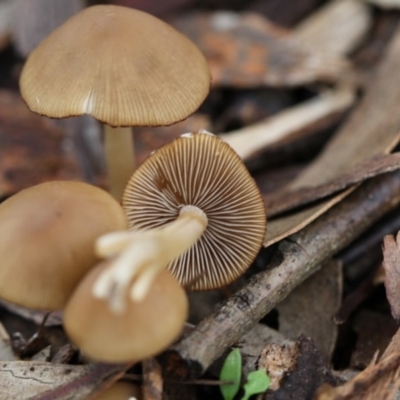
(192, 206)
(121, 66)
(141, 331)
(121, 391)
(47, 236)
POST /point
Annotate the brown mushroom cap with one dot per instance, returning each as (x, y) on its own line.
(141, 331)
(121, 391)
(47, 236)
(122, 66)
(203, 171)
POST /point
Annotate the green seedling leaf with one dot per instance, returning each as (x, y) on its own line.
(231, 371)
(257, 382)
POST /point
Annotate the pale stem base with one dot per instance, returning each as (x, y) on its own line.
(141, 254)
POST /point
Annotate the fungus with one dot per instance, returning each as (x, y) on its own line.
(191, 206)
(122, 66)
(141, 331)
(121, 391)
(47, 236)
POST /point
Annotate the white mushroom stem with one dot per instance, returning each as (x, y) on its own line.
(120, 158)
(143, 254)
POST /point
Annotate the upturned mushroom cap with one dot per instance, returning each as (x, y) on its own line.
(47, 236)
(201, 170)
(141, 331)
(122, 66)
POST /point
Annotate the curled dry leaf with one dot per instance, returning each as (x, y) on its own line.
(247, 50)
(391, 263)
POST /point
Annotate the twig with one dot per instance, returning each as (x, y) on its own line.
(152, 380)
(297, 257)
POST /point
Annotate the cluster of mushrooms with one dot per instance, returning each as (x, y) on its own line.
(191, 216)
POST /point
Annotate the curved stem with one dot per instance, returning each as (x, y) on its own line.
(144, 255)
(120, 158)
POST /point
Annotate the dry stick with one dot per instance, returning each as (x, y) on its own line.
(152, 380)
(297, 257)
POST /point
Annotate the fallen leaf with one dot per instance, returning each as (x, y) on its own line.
(391, 263)
(379, 381)
(309, 309)
(285, 200)
(247, 50)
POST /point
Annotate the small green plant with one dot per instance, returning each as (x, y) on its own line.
(231, 372)
(256, 382)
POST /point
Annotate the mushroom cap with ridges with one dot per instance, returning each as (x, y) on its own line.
(120, 65)
(203, 171)
(47, 237)
(143, 330)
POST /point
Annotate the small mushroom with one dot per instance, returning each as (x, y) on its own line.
(143, 330)
(121, 66)
(47, 236)
(121, 391)
(193, 207)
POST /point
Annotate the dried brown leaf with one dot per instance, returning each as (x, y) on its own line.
(247, 50)
(310, 308)
(391, 263)
(379, 381)
(283, 201)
